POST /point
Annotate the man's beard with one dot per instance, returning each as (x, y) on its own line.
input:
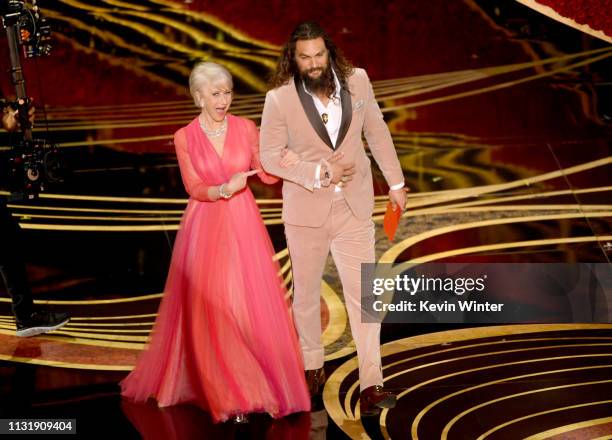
(323, 85)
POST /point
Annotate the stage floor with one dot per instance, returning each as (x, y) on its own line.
(498, 382)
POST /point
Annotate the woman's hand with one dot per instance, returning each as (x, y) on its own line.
(239, 180)
(288, 158)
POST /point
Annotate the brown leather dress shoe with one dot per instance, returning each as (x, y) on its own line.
(373, 398)
(315, 380)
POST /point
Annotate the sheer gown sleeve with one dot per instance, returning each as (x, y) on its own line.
(194, 186)
(253, 137)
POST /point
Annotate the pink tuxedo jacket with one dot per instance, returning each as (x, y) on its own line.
(290, 119)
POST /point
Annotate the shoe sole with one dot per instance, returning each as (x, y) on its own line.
(33, 331)
(386, 403)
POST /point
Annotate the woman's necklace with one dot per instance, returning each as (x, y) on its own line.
(217, 132)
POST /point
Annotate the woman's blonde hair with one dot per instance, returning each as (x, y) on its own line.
(207, 72)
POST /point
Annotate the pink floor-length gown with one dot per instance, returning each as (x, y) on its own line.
(223, 338)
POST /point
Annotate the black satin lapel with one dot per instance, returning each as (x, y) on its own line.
(347, 115)
(312, 113)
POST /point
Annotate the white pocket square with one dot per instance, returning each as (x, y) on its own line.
(358, 105)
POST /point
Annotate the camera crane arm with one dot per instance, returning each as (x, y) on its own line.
(34, 162)
(23, 27)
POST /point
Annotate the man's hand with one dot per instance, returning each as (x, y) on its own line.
(398, 198)
(10, 117)
(341, 172)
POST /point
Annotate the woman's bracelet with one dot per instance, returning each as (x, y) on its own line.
(222, 193)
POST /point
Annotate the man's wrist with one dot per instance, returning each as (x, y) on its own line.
(326, 173)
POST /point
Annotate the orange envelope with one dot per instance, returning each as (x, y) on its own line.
(391, 221)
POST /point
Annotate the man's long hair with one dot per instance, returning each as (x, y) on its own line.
(287, 68)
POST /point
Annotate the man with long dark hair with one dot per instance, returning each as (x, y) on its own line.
(29, 322)
(319, 106)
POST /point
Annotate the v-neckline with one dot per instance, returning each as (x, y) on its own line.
(207, 139)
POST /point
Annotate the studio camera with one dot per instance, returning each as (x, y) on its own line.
(33, 163)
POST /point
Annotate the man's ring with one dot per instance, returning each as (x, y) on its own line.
(344, 178)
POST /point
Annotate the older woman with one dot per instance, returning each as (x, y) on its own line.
(223, 338)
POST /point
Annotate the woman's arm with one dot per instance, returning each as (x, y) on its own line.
(194, 186)
(253, 136)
